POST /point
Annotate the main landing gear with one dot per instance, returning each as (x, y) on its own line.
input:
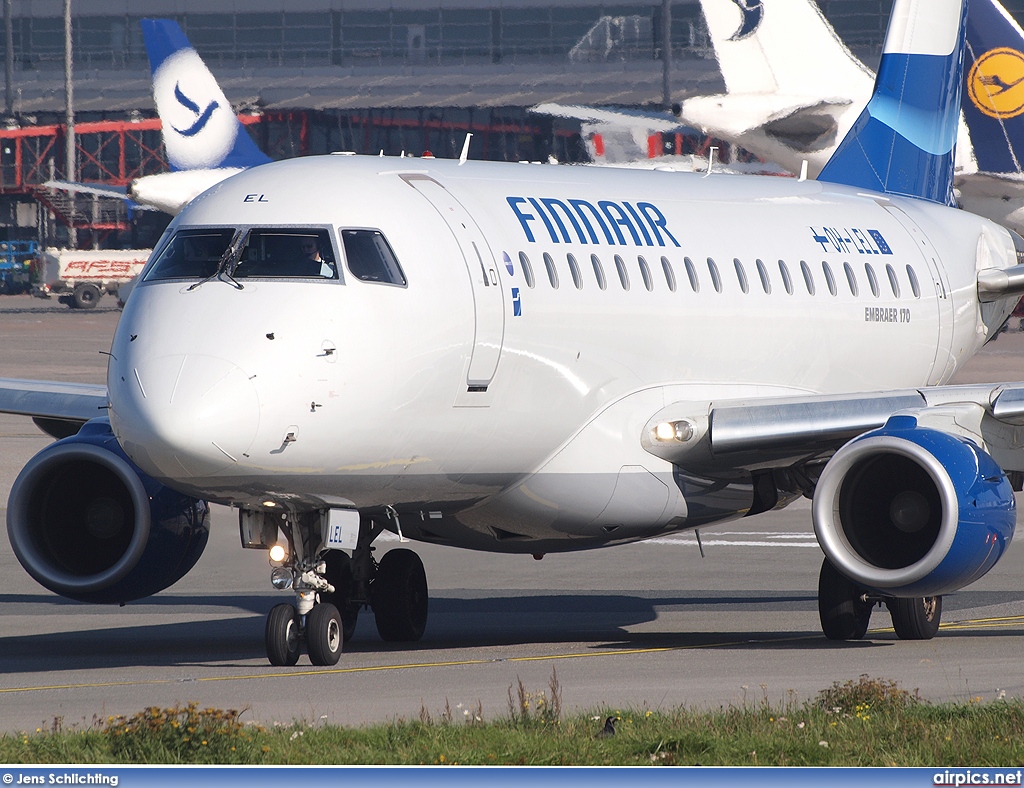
(845, 609)
(331, 588)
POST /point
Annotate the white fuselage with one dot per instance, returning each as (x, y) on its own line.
(508, 416)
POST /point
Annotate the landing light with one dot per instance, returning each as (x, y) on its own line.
(281, 578)
(269, 504)
(278, 553)
(679, 431)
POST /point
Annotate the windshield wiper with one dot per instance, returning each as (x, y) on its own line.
(226, 262)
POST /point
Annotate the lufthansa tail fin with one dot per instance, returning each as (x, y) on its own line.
(904, 140)
(994, 87)
(200, 129)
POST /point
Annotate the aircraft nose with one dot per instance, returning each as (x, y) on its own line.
(195, 414)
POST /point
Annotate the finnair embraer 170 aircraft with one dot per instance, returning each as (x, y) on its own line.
(533, 359)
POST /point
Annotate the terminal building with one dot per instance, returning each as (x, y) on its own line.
(314, 76)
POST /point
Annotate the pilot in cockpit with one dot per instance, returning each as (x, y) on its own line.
(318, 265)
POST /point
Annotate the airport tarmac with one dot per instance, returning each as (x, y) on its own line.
(651, 625)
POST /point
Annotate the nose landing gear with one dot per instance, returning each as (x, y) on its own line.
(330, 588)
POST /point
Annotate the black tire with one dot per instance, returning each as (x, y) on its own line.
(917, 618)
(339, 575)
(399, 597)
(86, 296)
(282, 635)
(843, 614)
(324, 638)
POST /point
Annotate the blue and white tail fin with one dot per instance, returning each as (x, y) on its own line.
(904, 140)
(200, 129)
(994, 87)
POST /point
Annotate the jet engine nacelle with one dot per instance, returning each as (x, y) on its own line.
(87, 524)
(913, 511)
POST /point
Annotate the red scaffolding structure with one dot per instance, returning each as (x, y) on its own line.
(107, 152)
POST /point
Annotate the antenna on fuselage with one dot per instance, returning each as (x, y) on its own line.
(803, 171)
(464, 156)
(711, 159)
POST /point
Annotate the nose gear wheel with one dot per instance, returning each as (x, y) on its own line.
(282, 635)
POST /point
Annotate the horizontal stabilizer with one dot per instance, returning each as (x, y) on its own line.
(731, 115)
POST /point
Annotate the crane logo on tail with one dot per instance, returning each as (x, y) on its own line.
(202, 118)
(752, 11)
(995, 84)
(199, 126)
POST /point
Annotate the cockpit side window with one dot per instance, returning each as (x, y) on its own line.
(276, 253)
(370, 258)
(192, 254)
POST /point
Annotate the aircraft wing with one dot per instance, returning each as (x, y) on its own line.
(780, 432)
(59, 409)
(621, 118)
(101, 190)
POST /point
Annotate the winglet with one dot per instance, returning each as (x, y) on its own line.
(200, 129)
(904, 140)
(994, 87)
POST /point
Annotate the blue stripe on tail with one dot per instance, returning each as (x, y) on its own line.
(904, 140)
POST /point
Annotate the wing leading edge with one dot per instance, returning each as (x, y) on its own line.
(738, 436)
(59, 409)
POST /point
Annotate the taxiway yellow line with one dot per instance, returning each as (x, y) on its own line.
(977, 623)
(378, 668)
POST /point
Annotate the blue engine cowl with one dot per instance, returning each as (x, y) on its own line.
(87, 524)
(912, 511)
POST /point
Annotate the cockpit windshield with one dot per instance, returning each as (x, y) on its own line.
(192, 254)
(257, 253)
(301, 253)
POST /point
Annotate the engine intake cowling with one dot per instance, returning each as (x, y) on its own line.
(912, 511)
(86, 523)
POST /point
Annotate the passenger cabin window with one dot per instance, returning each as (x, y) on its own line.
(670, 275)
(598, 271)
(830, 280)
(620, 266)
(192, 254)
(914, 285)
(893, 281)
(808, 278)
(872, 280)
(741, 275)
(574, 269)
(549, 264)
(645, 272)
(524, 263)
(851, 279)
(293, 254)
(691, 274)
(370, 258)
(716, 280)
(786, 281)
(762, 272)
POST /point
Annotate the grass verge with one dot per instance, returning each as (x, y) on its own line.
(871, 722)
